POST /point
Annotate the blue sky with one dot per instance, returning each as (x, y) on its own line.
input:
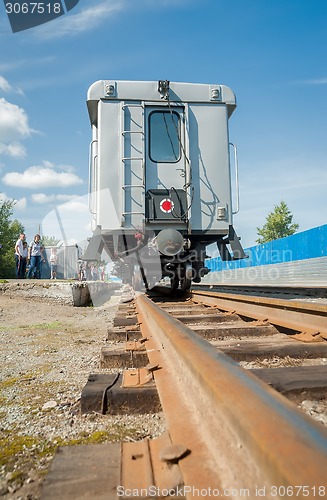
(271, 53)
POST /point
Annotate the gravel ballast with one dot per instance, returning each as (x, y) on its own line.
(48, 350)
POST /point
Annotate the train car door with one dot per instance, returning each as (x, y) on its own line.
(165, 166)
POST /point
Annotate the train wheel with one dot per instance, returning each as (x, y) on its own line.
(185, 284)
(186, 278)
(174, 282)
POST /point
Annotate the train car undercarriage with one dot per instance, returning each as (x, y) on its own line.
(142, 260)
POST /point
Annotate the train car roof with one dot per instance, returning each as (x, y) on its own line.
(158, 91)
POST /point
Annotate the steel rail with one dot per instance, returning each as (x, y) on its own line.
(241, 434)
(296, 315)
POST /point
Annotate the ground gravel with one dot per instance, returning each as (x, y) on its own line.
(48, 350)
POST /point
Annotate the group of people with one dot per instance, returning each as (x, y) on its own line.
(31, 257)
(90, 271)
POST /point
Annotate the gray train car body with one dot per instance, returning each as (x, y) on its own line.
(160, 181)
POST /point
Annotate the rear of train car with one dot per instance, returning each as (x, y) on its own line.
(160, 178)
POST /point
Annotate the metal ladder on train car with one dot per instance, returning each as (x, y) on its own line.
(136, 164)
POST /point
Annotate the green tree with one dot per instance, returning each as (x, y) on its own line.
(50, 241)
(9, 234)
(278, 224)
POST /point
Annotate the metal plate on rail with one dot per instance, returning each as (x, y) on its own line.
(135, 345)
(136, 377)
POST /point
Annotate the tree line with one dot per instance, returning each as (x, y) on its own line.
(9, 233)
(10, 229)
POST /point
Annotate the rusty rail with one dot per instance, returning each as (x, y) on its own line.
(300, 316)
(240, 434)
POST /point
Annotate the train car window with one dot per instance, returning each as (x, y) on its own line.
(164, 127)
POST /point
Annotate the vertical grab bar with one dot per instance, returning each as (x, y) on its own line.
(91, 173)
(236, 179)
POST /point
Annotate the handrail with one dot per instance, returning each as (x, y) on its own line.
(132, 213)
(91, 168)
(132, 132)
(125, 159)
(131, 105)
(132, 158)
(236, 179)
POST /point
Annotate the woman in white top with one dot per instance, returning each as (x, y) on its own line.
(35, 256)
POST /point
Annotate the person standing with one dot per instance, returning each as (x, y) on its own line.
(53, 263)
(19, 253)
(23, 262)
(35, 256)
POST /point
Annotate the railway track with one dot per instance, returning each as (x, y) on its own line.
(228, 372)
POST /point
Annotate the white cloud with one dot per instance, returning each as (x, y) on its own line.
(18, 204)
(43, 199)
(36, 177)
(14, 149)
(21, 204)
(13, 127)
(13, 122)
(75, 206)
(68, 168)
(5, 85)
(3, 197)
(48, 164)
(85, 20)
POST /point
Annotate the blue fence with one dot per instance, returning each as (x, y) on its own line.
(305, 245)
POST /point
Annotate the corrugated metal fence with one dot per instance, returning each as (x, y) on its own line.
(67, 262)
(298, 259)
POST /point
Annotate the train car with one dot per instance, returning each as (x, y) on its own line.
(160, 178)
